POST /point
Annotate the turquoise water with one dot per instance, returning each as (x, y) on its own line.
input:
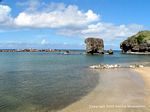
(31, 82)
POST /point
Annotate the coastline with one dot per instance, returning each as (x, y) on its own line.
(124, 90)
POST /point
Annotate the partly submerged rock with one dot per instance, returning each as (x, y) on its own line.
(94, 46)
(110, 52)
(137, 43)
(67, 52)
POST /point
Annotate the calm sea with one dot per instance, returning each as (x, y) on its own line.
(47, 82)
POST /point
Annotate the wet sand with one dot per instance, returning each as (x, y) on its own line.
(119, 90)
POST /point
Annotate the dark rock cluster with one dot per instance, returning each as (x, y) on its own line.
(110, 52)
(107, 66)
(94, 46)
(137, 43)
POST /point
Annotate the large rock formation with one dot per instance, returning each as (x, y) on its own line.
(137, 43)
(94, 46)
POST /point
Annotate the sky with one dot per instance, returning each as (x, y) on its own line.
(65, 24)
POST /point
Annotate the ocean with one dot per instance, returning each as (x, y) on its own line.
(48, 82)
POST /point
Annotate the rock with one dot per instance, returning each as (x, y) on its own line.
(104, 66)
(67, 52)
(137, 43)
(136, 66)
(141, 66)
(132, 66)
(107, 66)
(110, 51)
(94, 46)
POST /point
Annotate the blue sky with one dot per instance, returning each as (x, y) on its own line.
(64, 24)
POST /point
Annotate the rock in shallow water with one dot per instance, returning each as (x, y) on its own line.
(110, 52)
(94, 46)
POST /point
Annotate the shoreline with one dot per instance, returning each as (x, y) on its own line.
(119, 91)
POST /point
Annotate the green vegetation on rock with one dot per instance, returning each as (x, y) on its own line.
(139, 42)
(140, 37)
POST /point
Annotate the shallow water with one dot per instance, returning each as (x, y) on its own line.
(50, 81)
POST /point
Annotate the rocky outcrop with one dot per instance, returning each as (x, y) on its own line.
(137, 43)
(110, 52)
(107, 66)
(104, 66)
(94, 46)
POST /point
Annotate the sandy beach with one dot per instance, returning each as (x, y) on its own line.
(119, 90)
(145, 73)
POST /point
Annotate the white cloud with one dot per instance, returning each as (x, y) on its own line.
(111, 31)
(106, 31)
(69, 16)
(23, 45)
(65, 20)
(5, 17)
(43, 42)
(32, 5)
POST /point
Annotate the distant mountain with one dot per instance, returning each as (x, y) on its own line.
(137, 43)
